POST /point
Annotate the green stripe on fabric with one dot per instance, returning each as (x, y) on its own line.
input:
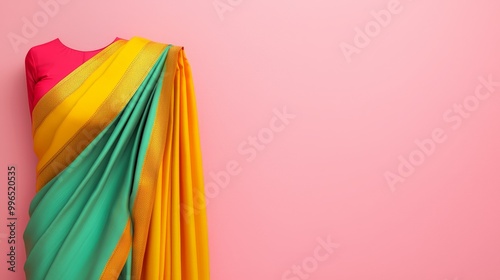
(149, 122)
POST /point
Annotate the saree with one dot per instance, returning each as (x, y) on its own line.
(119, 170)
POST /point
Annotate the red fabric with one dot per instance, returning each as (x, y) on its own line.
(47, 64)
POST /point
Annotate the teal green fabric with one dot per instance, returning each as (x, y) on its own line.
(79, 216)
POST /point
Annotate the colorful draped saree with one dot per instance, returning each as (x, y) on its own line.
(119, 171)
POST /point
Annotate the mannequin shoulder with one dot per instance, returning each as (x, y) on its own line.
(41, 50)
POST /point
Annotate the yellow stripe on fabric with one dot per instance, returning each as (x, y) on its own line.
(119, 257)
(194, 228)
(93, 112)
(148, 182)
(165, 239)
(70, 83)
(175, 226)
(189, 252)
(180, 249)
(198, 190)
(166, 215)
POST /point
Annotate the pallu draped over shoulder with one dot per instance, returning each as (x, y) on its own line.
(119, 171)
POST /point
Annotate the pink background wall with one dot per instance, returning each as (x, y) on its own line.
(367, 95)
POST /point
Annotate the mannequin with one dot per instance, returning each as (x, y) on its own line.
(47, 64)
(119, 177)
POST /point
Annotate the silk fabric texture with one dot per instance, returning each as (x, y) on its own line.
(119, 175)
